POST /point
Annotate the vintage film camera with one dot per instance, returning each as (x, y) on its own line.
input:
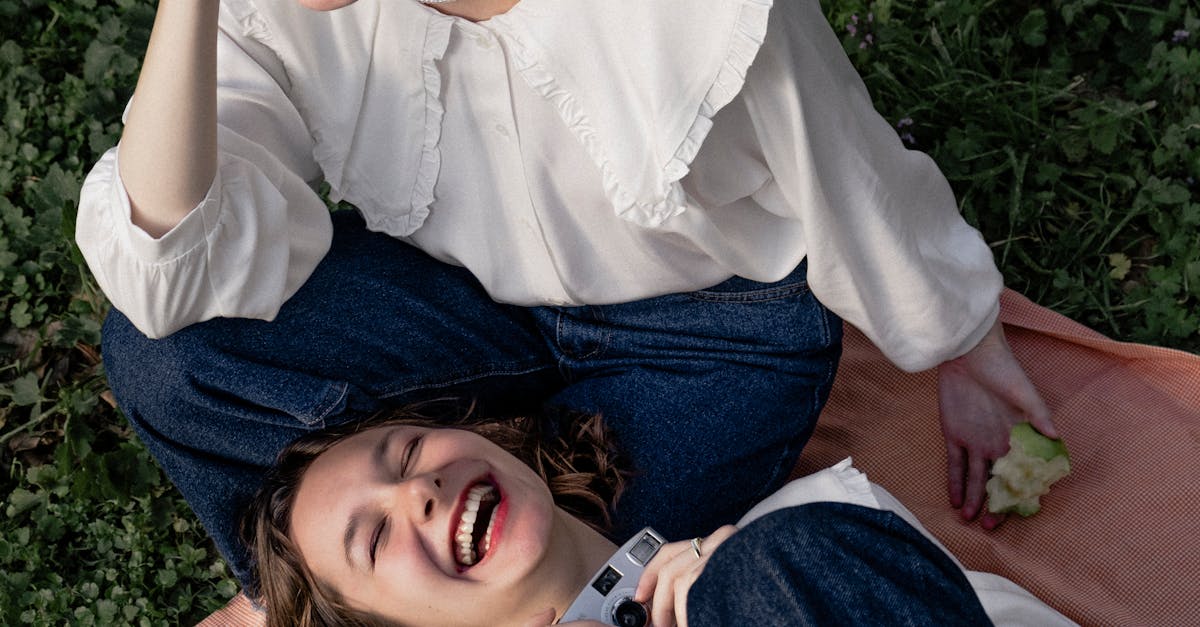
(609, 597)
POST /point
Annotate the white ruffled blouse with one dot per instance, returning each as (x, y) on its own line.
(567, 152)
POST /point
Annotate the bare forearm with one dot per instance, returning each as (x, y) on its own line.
(168, 152)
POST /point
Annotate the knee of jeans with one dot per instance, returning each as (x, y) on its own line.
(817, 532)
(203, 372)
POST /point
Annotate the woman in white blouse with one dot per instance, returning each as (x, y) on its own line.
(659, 211)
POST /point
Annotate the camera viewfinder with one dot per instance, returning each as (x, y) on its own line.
(644, 549)
(607, 579)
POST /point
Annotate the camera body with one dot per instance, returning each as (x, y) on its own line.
(609, 596)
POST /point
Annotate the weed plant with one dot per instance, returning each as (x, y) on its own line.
(90, 530)
(1070, 130)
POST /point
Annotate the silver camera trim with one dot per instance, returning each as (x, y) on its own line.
(601, 596)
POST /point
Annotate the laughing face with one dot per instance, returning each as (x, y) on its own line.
(438, 527)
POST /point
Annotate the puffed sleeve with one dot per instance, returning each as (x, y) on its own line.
(255, 237)
(887, 248)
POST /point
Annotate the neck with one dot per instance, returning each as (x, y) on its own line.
(475, 10)
(590, 551)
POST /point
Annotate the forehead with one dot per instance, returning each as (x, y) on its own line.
(329, 490)
(354, 450)
(324, 485)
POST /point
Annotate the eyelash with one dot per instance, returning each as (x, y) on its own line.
(375, 539)
(409, 453)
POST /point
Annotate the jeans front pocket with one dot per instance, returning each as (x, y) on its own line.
(742, 290)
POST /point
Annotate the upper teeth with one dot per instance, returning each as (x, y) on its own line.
(466, 526)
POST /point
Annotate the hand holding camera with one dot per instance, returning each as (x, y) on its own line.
(645, 582)
(668, 577)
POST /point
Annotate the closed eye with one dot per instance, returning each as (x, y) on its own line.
(375, 540)
(410, 452)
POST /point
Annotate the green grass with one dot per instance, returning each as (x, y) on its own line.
(1071, 133)
(1070, 130)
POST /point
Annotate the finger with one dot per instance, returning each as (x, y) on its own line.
(990, 521)
(977, 473)
(681, 591)
(689, 572)
(651, 574)
(1030, 402)
(1024, 396)
(646, 585)
(716, 539)
(662, 609)
(1044, 424)
(955, 471)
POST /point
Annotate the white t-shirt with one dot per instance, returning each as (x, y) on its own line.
(1005, 602)
(566, 152)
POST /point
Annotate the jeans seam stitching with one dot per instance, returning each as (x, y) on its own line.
(563, 369)
(826, 334)
(814, 410)
(752, 296)
(321, 413)
(462, 379)
(603, 343)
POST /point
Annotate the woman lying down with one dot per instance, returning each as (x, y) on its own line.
(406, 520)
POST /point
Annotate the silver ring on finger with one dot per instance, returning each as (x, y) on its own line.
(696, 547)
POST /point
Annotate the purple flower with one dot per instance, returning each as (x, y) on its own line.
(852, 27)
(909, 139)
(1180, 36)
(904, 122)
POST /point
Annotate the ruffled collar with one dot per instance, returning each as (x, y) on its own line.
(636, 82)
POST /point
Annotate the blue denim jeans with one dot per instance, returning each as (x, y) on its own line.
(711, 393)
(831, 564)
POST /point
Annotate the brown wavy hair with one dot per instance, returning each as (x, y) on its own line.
(575, 454)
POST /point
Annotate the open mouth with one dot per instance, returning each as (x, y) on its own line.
(473, 534)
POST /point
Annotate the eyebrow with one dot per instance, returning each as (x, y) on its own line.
(379, 455)
(351, 531)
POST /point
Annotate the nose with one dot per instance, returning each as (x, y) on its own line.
(422, 494)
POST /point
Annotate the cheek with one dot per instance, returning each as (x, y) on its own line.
(326, 5)
(412, 594)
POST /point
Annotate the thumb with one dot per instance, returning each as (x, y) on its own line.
(1015, 387)
(1026, 398)
(1043, 423)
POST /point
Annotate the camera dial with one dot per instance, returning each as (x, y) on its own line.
(630, 613)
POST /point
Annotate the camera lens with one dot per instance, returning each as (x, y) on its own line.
(630, 613)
